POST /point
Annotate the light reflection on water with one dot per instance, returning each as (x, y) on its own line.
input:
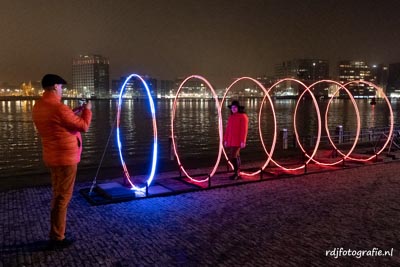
(196, 130)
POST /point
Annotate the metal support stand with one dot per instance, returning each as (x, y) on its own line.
(180, 171)
(334, 153)
(227, 165)
(393, 142)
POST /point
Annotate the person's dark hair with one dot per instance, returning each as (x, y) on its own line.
(236, 103)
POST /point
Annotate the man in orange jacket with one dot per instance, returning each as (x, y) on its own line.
(235, 136)
(59, 128)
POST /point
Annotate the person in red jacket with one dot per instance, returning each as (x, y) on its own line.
(59, 129)
(235, 136)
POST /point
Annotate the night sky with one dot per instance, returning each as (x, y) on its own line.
(213, 38)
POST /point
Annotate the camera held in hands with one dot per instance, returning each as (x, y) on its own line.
(82, 103)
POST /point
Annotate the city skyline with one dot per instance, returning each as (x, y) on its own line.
(216, 39)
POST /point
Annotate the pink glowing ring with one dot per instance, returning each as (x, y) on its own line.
(326, 123)
(294, 124)
(269, 153)
(215, 96)
(344, 156)
(259, 123)
(380, 91)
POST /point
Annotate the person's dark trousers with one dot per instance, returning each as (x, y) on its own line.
(234, 158)
(235, 165)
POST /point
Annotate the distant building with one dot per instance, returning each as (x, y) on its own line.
(166, 89)
(7, 89)
(193, 88)
(381, 74)
(90, 76)
(307, 71)
(28, 89)
(393, 81)
(116, 86)
(352, 70)
(134, 88)
(266, 81)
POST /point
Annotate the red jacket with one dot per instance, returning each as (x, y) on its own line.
(236, 129)
(59, 129)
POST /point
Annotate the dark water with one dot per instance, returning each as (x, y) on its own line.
(196, 131)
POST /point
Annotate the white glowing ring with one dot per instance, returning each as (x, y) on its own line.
(391, 121)
(219, 129)
(294, 124)
(153, 115)
(274, 140)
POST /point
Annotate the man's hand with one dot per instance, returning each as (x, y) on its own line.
(242, 145)
(88, 105)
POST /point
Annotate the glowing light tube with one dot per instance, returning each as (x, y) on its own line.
(345, 156)
(259, 124)
(307, 89)
(219, 129)
(153, 115)
(380, 91)
(326, 122)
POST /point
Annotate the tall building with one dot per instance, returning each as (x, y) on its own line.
(90, 76)
(393, 81)
(352, 70)
(307, 71)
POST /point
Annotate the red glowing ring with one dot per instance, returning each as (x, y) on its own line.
(270, 153)
(295, 127)
(345, 156)
(219, 129)
(391, 120)
(327, 128)
(273, 112)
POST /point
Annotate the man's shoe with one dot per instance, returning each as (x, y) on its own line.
(60, 244)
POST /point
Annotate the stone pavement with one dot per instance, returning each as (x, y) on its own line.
(278, 222)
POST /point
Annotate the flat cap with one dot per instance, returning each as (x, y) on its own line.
(52, 79)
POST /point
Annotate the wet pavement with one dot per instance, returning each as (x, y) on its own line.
(315, 219)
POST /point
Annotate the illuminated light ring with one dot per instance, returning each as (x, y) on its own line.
(269, 154)
(358, 122)
(219, 130)
(391, 121)
(152, 109)
(294, 123)
(259, 124)
(326, 123)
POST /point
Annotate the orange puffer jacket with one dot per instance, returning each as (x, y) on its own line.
(236, 130)
(59, 129)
